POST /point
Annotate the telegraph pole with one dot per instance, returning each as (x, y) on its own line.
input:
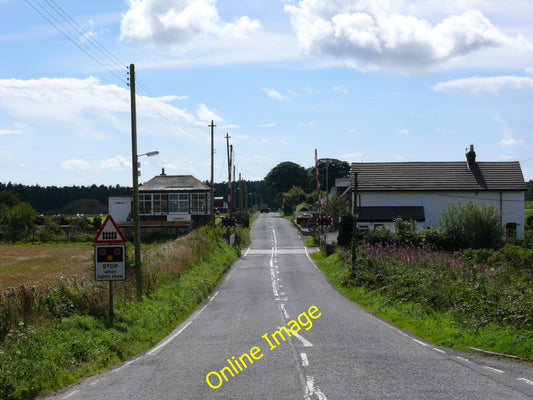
(212, 174)
(229, 174)
(354, 226)
(240, 195)
(135, 172)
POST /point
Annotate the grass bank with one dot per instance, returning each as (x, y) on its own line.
(445, 327)
(36, 359)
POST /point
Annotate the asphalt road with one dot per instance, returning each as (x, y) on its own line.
(335, 349)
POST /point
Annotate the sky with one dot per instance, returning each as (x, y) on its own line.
(358, 80)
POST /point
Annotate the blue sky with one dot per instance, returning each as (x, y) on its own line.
(359, 80)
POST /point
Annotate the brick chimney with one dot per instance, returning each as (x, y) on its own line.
(163, 171)
(471, 158)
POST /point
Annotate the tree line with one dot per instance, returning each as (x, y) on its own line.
(51, 198)
(279, 180)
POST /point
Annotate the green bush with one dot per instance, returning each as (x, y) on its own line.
(470, 225)
(471, 291)
(511, 256)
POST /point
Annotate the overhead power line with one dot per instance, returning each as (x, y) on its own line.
(85, 41)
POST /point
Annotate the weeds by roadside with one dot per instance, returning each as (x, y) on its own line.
(449, 299)
(55, 335)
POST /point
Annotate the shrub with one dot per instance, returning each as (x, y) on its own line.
(17, 219)
(468, 224)
(473, 293)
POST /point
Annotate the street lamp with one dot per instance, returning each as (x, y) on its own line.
(149, 154)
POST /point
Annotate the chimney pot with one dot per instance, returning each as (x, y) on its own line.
(471, 157)
(163, 171)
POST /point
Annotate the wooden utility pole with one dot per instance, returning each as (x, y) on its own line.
(354, 226)
(240, 195)
(135, 173)
(229, 173)
(212, 206)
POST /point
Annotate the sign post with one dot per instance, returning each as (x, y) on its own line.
(110, 256)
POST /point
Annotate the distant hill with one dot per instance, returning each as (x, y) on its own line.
(81, 206)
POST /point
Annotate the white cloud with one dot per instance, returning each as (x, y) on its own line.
(174, 22)
(118, 163)
(269, 125)
(179, 165)
(91, 110)
(10, 132)
(265, 140)
(353, 157)
(493, 84)
(341, 89)
(508, 139)
(310, 124)
(403, 132)
(274, 94)
(393, 35)
(207, 115)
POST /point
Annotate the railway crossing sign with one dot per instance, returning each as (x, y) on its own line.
(110, 262)
(109, 232)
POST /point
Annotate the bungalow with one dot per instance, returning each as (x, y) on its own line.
(167, 200)
(419, 191)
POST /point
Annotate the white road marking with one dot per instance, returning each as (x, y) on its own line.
(305, 361)
(439, 350)
(122, 367)
(70, 394)
(499, 371)
(157, 348)
(311, 390)
(284, 310)
(419, 342)
(526, 381)
(304, 341)
(464, 359)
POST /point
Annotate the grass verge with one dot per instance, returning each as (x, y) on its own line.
(435, 327)
(40, 359)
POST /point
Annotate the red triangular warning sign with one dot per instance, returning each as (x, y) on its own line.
(109, 232)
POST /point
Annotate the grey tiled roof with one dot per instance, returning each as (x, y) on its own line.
(439, 176)
(174, 183)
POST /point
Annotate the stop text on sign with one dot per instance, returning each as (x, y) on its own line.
(110, 262)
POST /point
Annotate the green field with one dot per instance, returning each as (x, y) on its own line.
(529, 208)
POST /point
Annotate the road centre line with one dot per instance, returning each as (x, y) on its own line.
(304, 341)
(158, 348)
(305, 360)
(311, 390)
(439, 350)
(284, 311)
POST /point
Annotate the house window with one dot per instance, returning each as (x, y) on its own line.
(510, 230)
(198, 203)
(159, 203)
(145, 204)
(178, 203)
